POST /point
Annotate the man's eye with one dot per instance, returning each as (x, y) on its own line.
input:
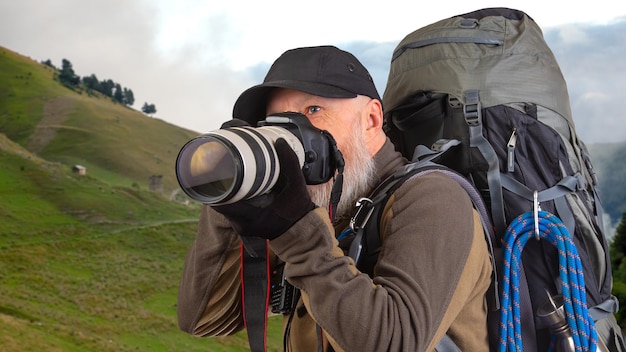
(313, 109)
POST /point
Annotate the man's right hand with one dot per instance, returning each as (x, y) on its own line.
(270, 215)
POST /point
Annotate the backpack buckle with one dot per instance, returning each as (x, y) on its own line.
(472, 114)
(471, 109)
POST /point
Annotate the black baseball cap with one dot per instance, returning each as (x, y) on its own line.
(324, 71)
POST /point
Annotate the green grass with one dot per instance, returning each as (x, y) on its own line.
(100, 291)
(25, 88)
(23, 209)
(118, 142)
(41, 196)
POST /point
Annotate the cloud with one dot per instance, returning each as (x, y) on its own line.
(573, 34)
(592, 64)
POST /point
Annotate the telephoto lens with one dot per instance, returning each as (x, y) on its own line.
(231, 164)
(228, 165)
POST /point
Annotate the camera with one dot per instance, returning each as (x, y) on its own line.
(231, 164)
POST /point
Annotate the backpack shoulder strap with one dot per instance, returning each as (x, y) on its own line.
(366, 222)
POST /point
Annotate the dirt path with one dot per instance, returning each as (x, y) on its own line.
(55, 112)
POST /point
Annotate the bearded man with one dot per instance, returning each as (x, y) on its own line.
(433, 270)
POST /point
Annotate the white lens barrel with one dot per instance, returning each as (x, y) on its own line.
(259, 169)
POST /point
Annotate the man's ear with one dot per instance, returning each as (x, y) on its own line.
(373, 125)
(375, 120)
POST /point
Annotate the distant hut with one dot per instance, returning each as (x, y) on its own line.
(79, 169)
(156, 183)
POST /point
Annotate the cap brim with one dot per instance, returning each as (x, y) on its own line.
(252, 103)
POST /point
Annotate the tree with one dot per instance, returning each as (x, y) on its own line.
(107, 87)
(67, 75)
(119, 93)
(48, 63)
(129, 97)
(148, 109)
(91, 82)
(617, 251)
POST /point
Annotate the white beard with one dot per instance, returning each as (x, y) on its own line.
(358, 173)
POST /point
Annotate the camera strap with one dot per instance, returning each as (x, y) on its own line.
(255, 290)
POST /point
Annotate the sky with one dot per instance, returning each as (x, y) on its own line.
(193, 58)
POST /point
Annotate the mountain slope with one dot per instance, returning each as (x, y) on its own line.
(41, 196)
(90, 262)
(116, 143)
(89, 266)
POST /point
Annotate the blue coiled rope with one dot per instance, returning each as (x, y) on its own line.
(519, 232)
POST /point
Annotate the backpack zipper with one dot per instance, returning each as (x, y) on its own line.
(510, 156)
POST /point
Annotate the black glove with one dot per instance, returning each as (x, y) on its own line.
(270, 215)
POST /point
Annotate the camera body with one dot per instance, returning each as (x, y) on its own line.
(320, 148)
(231, 164)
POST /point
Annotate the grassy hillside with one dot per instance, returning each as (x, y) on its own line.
(114, 142)
(89, 262)
(39, 195)
(89, 266)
